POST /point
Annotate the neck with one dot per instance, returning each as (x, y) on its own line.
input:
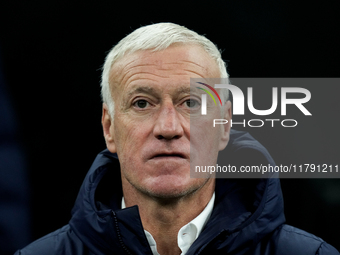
(163, 218)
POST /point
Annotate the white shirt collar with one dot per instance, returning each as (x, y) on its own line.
(188, 233)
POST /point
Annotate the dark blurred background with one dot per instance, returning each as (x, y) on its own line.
(52, 53)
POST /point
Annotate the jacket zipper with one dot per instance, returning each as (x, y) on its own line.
(119, 235)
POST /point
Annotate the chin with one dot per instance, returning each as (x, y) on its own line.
(171, 187)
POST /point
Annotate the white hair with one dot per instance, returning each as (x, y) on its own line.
(156, 37)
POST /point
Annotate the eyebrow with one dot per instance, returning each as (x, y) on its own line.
(143, 89)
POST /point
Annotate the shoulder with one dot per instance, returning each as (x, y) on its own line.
(291, 240)
(61, 241)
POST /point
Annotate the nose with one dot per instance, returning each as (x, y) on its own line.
(168, 124)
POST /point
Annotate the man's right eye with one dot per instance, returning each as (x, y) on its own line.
(141, 103)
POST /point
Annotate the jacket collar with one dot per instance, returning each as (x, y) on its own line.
(97, 218)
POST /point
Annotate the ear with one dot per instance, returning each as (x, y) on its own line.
(225, 129)
(108, 129)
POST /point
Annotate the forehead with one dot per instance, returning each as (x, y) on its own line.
(178, 63)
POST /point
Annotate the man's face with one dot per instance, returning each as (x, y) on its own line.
(151, 127)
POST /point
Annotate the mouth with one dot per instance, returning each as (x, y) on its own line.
(175, 155)
(163, 155)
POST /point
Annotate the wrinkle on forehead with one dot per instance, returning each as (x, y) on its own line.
(192, 62)
(138, 71)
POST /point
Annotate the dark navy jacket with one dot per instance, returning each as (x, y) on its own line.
(247, 217)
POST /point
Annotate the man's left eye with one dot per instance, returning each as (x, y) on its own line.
(141, 103)
(191, 103)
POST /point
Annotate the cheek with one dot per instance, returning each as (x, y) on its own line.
(204, 139)
(130, 135)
